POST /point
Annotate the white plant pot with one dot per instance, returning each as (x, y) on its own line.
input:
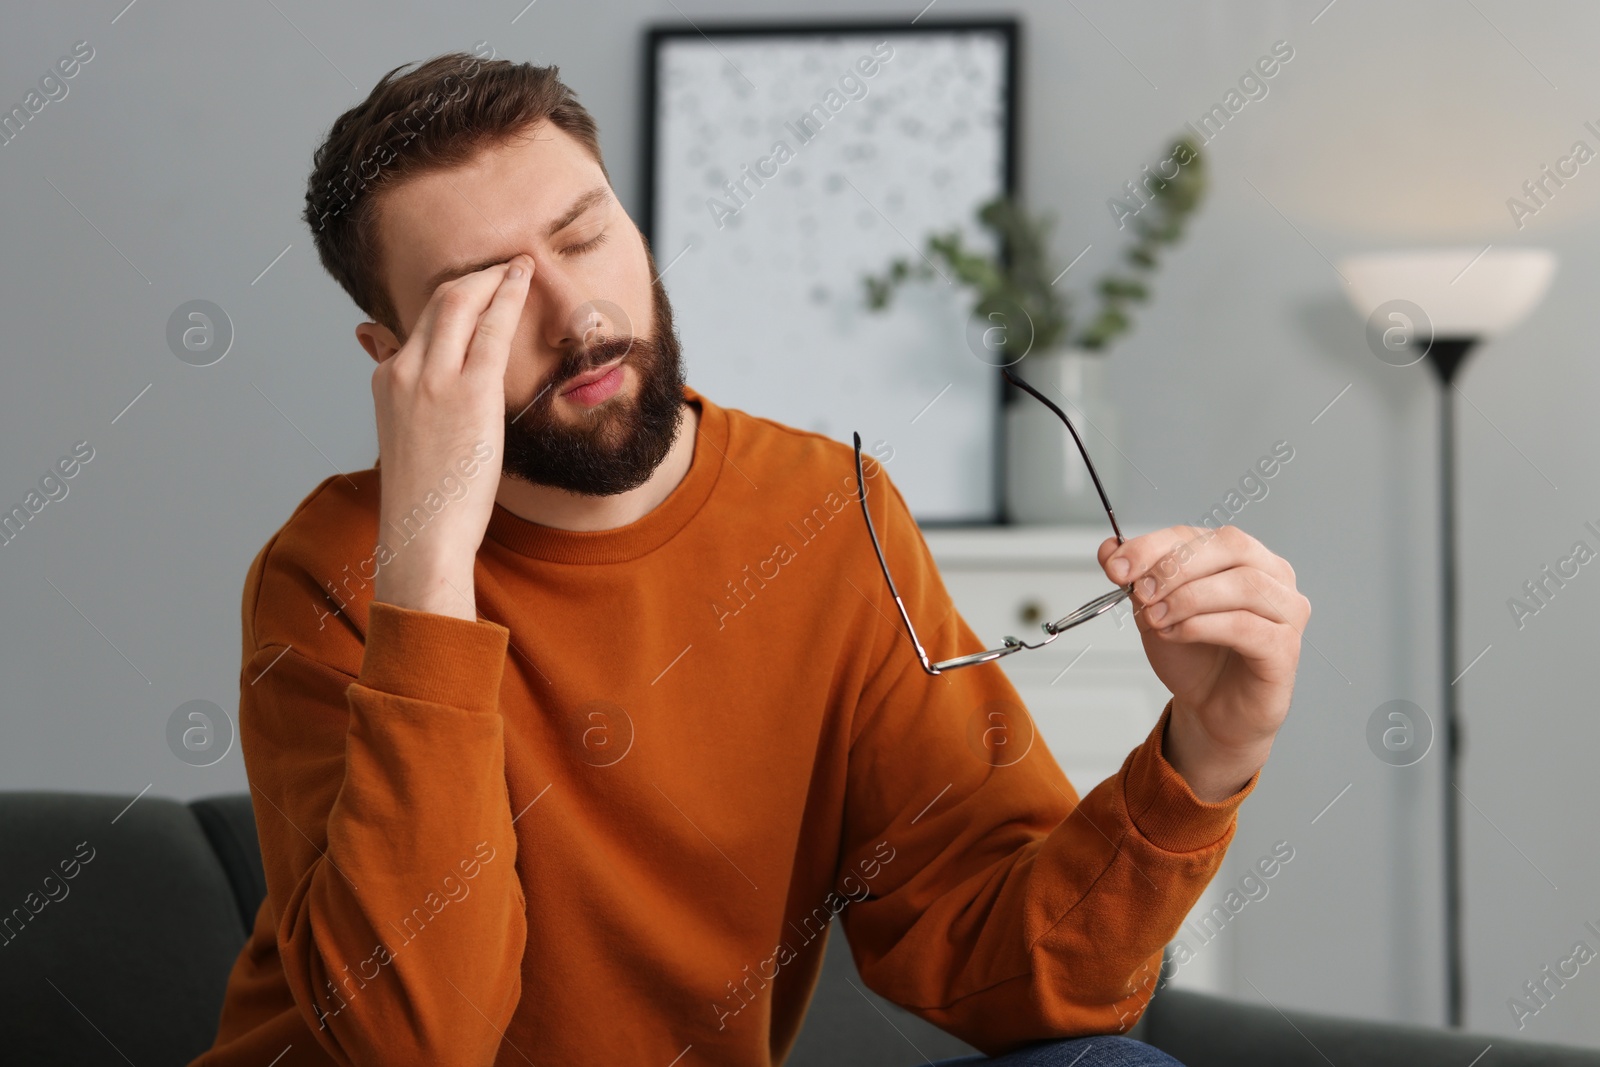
(1046, 478)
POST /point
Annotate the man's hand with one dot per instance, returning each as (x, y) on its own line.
(440, 404)
(1221, 621)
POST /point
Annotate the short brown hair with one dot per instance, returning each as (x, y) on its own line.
(436, 116)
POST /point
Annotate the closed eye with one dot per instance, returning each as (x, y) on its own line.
(587, 246)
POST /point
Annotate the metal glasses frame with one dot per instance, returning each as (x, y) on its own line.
(1052, 630)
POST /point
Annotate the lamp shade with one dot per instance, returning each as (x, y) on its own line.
(1465, 292)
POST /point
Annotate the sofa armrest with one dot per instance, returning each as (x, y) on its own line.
(230, 828)
(1209, 1031)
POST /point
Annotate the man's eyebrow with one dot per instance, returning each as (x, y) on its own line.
(457, 270)
(579, 206)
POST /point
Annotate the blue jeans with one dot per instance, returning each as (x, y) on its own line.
(1100, 1051)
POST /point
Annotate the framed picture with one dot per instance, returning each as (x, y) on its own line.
(785, 163)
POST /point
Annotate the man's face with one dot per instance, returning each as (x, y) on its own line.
(594, 304)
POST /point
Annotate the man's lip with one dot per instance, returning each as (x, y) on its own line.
(591, 376)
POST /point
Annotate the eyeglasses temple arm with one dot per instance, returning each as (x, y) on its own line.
(905, 616)
(1020, 384)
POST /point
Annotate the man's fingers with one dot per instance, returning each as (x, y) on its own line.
(1257, 640)
(1170, 557)
(446, 324)
(416, 345)
(491, 341)
(1238, 589)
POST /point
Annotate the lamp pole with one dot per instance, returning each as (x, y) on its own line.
(1469, 294)
(1446, 355)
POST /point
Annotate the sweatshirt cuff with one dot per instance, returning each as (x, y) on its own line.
(1161, 805)
(439, 659)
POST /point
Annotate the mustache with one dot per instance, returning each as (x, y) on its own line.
(594, 355)
(576, 361)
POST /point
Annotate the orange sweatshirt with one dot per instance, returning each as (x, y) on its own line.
(610, 821)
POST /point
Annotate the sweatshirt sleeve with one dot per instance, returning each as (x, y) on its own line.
(385, 828)
(1009, 909)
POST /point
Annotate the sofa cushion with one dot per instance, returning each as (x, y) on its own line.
(118, 927)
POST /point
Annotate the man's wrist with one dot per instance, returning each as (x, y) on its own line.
(1213, 772)
(436, 590)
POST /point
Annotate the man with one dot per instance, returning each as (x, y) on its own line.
(571, 723)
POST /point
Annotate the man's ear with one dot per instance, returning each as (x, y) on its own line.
(379, 341)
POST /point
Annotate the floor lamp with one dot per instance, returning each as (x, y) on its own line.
(1436, 305)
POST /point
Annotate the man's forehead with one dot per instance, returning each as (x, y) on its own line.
(455, 221)
(503, 244)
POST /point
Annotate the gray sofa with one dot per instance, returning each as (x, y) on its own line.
(119, 923)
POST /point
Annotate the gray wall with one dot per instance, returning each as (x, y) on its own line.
(175, 167)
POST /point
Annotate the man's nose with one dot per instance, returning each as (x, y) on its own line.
(572, 317)
(595, 320)
(563, 309)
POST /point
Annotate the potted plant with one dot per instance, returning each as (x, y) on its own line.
(1023, 320)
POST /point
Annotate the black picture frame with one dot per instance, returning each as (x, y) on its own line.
(1009, 29)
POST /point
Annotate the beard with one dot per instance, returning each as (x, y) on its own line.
(618, 443)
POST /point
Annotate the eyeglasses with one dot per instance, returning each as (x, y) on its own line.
(1052, 630)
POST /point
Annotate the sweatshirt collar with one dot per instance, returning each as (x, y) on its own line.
(642, 536)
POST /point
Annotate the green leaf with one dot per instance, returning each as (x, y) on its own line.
(1021, 272)
(1113, 287)
(877, 293)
